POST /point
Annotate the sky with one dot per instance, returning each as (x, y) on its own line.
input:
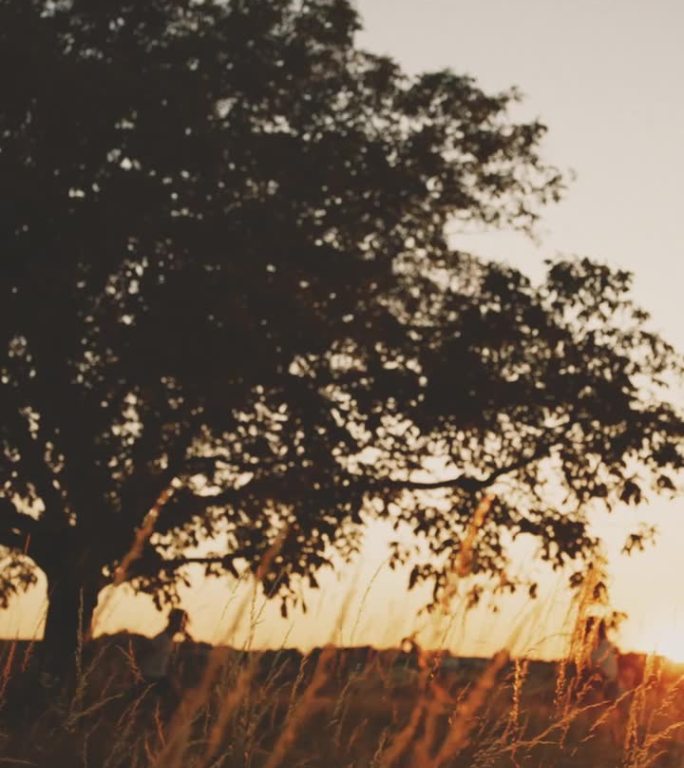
(605, 77)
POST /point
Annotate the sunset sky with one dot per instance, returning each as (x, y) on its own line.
(605, 76)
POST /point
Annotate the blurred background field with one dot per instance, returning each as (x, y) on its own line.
(338, 708)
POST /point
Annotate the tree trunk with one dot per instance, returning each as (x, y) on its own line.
(71, 602)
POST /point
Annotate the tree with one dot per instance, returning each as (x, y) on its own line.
(229, 309)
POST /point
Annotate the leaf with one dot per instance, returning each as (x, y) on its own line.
(631, 493)
(413, 576)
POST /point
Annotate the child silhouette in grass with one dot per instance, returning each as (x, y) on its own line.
(155, 660)
(603, 656)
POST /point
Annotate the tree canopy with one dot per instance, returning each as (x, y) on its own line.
(229, 309)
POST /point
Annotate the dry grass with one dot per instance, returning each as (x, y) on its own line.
(337, 709)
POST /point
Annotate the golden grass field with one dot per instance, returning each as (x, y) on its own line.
(336, 708)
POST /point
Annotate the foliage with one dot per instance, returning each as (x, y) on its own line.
(226, 285)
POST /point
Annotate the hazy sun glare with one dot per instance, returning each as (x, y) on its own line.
(670, 644)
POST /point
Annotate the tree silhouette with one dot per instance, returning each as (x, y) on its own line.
(229, 310)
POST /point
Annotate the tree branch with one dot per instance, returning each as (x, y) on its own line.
(192, 504)
(465, 482)
(149, 567)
